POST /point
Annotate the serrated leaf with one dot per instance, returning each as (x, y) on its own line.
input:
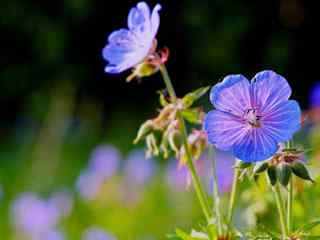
(301, 171)
(190, 98)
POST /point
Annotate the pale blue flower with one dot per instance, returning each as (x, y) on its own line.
(129, 47)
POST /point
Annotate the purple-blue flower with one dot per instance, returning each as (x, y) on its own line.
(251, 118)
(129, 47)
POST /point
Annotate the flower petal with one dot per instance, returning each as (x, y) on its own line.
(123, 38)
(231, 95)
(139, 19)
(224, 129)
(255, 146)
(268, 89)
(283, 121)
(155, 20)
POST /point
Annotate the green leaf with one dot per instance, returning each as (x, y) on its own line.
(190, 98)
(183, 235)
(192, 115)
(284, 174)
(272, 175)
(301, 171)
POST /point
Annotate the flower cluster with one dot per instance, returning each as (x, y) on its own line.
(167, 124)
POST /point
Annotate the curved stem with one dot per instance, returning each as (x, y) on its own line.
(233, 195)
(281, 211)
(289, 205)
(195, 178)
(215, 195)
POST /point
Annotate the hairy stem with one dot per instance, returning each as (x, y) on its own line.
(203, 199)
(233, 196)
(289, 205)
(281, 210)
(215, 193)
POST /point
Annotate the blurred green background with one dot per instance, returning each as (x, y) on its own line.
(58, 106)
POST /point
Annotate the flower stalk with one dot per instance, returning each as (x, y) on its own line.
(281, 210)
(233, 196)
(289, 205)
(195, 178)
(216, 197)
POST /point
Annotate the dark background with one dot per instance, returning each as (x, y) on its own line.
(47, 43)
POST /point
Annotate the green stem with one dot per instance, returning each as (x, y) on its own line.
(233, 195)
(216, 197)
(289, 205)
(281, 211)
(168, 82)
(195, 178)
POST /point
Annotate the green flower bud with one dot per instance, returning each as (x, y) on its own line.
(283, 174)
(144, 130)
(272, 175)
(260, 167)
(301, 171)
(152, 147)
(144, 69)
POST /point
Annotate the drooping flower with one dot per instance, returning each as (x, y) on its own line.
(128, 48)
(250, 119)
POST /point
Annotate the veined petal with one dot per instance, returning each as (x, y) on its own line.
(283, 121)
(224, 129)
(268, 89)
(123, 38)
(155, 20)
(255, 146)
(231, 95)
(139, 19)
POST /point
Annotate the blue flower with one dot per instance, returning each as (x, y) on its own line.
(252, 118)
(127, 48)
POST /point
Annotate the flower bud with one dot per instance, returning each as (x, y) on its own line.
(260, 167)
(301, 171)
(283, 173)
(144, 130)
(272, 175)
(152, 147)
(144, 69)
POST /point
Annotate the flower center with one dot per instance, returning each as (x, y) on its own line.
(252, 118)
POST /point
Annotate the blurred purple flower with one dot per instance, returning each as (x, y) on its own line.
(62, 200)
(104, 161)
(127, 48)
(224, 169)
(314, 97)
(178, 176)
(50, 235)
(89, 184)
(94, 233)
(33, 215)
(252, 118)
(138, 170)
